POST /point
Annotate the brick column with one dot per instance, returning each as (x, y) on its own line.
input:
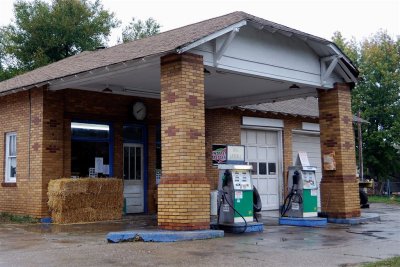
(339, 188)
(53, 142)
(184, 191)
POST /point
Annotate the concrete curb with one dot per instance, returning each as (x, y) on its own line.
(306, 222)
(365, 217)
(239, 228)
(162, 236)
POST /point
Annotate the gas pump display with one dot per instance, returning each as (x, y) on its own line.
(235, 194)
(302, 198)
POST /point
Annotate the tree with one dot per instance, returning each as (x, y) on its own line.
(140, 29)
(350, 48)
(377, 96)
(43, 33)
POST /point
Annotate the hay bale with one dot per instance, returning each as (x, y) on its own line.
(85, 200)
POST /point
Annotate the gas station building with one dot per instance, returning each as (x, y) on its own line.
(157, 107)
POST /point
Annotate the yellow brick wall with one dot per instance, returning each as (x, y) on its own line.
(22, 113)
(49, 151)
(339, 188)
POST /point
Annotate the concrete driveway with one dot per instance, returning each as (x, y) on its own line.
(85, 245)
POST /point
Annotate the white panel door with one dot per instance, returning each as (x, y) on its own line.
(262, 153)
(311, 145)
(133, 178)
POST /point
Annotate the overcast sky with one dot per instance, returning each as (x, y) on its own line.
(358, 18)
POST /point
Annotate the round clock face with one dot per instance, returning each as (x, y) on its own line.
(139, 111)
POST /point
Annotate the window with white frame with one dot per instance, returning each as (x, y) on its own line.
(11, 158)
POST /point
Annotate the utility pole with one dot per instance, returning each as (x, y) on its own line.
(360, 154)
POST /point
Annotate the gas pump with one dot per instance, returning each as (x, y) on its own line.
(302, 198)
(235, 205)
(235, 194)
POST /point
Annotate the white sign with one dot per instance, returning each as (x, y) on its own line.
(225, 208)
(303, 159)
(295, 206)
(314, 192)
(106, 169)
(98, 165)
(158, 176)
(238, 194)
(235, 153)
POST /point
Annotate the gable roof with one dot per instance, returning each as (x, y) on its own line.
(166, 42)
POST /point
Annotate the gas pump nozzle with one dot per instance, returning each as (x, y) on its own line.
(296, 177)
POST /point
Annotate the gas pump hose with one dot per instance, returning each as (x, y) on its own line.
(288, 201)
(245, 223)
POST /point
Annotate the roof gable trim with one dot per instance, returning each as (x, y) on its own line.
(210, 37)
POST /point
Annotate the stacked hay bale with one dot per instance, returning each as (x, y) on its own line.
(85, 200)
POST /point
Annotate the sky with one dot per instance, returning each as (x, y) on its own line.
(353, 18)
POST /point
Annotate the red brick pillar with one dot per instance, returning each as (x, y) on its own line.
(184, 191)
(339, 187)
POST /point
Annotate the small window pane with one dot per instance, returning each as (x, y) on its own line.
(138, 163)
(126, 163)
(13, 167)
(271, 168)
(254, 170)
(132, 162)
(262, 168)
(12, 145)
(158, 156)
(133, 133)
(90, 130)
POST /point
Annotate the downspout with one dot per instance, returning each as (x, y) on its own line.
(29, 133)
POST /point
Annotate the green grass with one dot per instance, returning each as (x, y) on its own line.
(392, 262)
(384, 199)
(11, 218)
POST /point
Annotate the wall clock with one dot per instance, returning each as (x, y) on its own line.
(139, 111)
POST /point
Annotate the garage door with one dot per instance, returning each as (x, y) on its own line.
(262, 152)
(311, 145)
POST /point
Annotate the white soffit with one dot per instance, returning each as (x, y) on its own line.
(263, 122)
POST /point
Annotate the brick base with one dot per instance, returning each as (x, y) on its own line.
(184, 226)
(184, 206)
(340, 199)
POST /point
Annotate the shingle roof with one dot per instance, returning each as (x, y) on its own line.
(154, 45)
(306, 107)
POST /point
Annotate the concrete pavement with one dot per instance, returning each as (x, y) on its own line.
(85, 245)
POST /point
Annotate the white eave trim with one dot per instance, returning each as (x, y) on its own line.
(342, 56)
(24, 88)
(211, 36)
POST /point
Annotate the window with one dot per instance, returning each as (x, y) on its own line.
(11, 158)
(91, 150)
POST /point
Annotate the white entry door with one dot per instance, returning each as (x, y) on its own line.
(262, 152)
(133, 178)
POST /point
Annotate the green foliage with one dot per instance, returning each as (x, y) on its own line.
(12, 218)
(392, 262)
(377, 96)
(384, 199)
(350, 48)
(43, 33)
(140, 29)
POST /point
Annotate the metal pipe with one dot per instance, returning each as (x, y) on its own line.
(360, 154)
